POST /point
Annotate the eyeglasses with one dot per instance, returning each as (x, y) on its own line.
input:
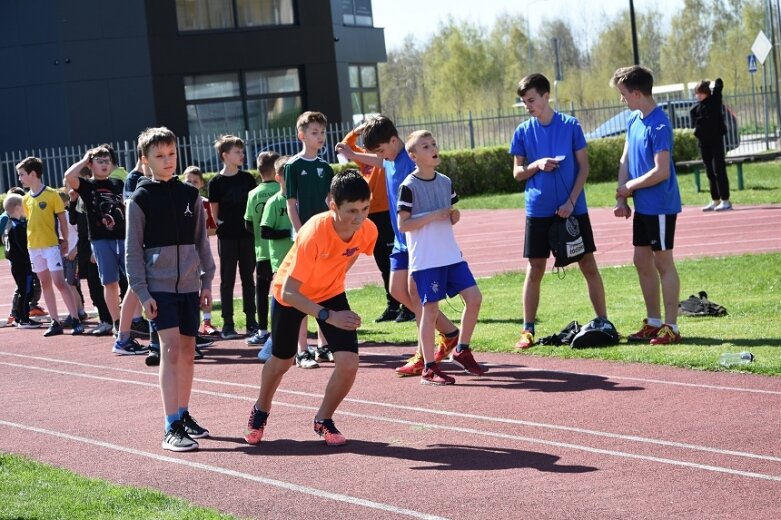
(101, 161)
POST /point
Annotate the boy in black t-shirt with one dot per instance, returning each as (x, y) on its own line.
(15, 241)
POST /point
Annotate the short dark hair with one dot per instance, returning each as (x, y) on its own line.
(634, 78)
(101, 151)
(112, 154)
(349, 186)
(193, 170)
(534, 81)
(224, 143)
(31, 164)
(266, 161)
(377, 131)
(154, 137)
(703, 87)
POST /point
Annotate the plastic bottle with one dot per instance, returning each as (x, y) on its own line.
(731, 359)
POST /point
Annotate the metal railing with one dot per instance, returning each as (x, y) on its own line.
(754, 128)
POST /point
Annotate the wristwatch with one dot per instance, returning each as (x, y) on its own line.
(324, 314)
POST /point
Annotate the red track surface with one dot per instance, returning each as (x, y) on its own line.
(535, 437)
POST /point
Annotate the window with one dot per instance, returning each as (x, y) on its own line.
(357, 12)
(238, 101)
(205, 15)
(364, 90)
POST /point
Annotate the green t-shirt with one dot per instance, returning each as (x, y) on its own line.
(275, 217)
(256, 200)
(308, 181)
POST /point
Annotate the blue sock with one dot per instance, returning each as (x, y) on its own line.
(528, 326)
(181, 411)
(462, 346)
(170, 419)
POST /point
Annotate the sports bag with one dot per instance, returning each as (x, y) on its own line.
(565, 241)
(700, 306)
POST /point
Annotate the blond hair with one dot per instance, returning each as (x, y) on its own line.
(414, 138)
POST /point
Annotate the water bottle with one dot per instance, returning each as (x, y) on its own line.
(731, 359)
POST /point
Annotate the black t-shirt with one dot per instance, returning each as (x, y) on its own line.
(231, 193)
(105, 209)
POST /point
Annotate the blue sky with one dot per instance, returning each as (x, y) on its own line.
(422, 17)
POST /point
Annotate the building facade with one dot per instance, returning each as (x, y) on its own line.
(89, 71)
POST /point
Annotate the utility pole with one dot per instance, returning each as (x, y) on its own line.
(635, 51)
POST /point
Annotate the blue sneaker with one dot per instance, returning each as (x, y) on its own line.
(130, 347)
(258, 339)
(265, 353)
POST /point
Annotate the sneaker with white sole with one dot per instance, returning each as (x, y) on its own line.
(131, 347)
(324, 355)
(724, 206)
(306, 359)
(711, 206)
(192, 428)
(103, 329)
(176, 439)
(29, 324)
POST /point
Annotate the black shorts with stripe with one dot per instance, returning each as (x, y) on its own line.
(656, 231)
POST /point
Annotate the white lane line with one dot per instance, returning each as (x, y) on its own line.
(445, 413)
(484, 433)
(319, 493)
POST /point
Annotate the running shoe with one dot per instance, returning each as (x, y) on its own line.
(36, 311)
(413, 366)
(228, 332)
(152, 358)
(131, 347)
(466, 360)
(306, 359)
(445, 346)
(712, 205)
(405, 315)
(208, 330)
(257, 339)
(526, 340)
(103, 329)
(324, 355)
(724, 206)
(29, 324)
(646, 333)
(328, 431)
(67, 323)
(252, 328)
(666, 336)
(76, 327)
(176, 439)
(255, 426)
(389, 314)
(435, 376)
(55, 329)
(139, 328)
(201, 342)
(192, 428)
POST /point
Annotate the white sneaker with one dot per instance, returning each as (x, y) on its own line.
(724, 206)
(306, 360)
(710, 207)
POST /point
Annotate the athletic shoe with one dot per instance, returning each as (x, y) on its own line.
(198, 354)
(252, 328)
(192, 428)
(306, 359)
(139, 328)
(257, 339)
(526, 340)
(76, 327)
(176, 439)
(388, 314)
(711, 206)
(264, 354)
(327, 430)
(445, 346)
(67, 323)
(405, 315)
(29, 324)
(255, 426)
(131, 347)
(201, 342)
(82, 315)
(36, 311)
(645, 333)
(724, 206)
(413, 367)
(228, 332)
(324, 355)
(435, 376)
(55, 329)
(103, 329)
(666, 336)
(466, 360)
(208, 330)
(152, 358)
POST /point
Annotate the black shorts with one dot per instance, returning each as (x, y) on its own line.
(180, 310)
(657, 231)
(285, 323)
(536, 243)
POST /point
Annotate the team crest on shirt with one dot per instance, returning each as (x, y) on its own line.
(350, 251)
(42, 204)
(320, 172)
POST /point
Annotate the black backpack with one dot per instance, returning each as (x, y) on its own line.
(700, 306)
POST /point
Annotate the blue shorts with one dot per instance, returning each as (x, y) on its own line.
(436, 282)
(110, 257)
(70, 271)
(181, 310)
(399, 260)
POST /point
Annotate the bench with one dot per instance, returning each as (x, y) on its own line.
(737, 160)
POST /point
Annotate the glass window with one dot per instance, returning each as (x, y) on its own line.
(215, 118)
(209, 86)
(371, 101)
(272, 82)
(355, 80)
(279, 112)
(357, 12)
(252, 13)
(368, 76)
(364, 95)
(199, 15)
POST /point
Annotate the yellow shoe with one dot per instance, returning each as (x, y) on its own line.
(445, 346)
(526, 341)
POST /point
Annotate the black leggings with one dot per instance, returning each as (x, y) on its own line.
(263, 278)
(233, 251)
(23, 276)
(713, 157)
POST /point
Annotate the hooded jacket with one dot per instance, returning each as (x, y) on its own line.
(707, 116)
(167, 248)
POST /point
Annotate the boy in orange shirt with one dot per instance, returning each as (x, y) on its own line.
(310, 281)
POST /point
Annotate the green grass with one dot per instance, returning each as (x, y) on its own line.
(30, 489)
(762, 186)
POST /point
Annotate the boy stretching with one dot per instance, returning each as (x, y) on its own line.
(170, 267)
(43, 208)
(310, 281)
(647, 174)
(426, 215)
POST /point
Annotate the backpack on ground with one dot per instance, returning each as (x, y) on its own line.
(700, 306)
(599, 332)
(564, 337)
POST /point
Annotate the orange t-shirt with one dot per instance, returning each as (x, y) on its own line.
(319, 257)
(374, 175)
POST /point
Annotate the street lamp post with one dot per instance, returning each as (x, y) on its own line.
(635, 52)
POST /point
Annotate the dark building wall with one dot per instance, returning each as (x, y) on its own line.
(73, 72)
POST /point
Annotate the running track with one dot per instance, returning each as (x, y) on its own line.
(535, 437)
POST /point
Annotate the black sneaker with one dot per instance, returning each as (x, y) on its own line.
(29, 324)
(252, 328)
(176, 439)
(193, 429)
(198, 354)
(67, 323)
(140, 328)
(130, 347)
(153, 358)
(323, 354)
(55, 329)
(202, 342)
(405, 315)
(228, 332)
(388, 315)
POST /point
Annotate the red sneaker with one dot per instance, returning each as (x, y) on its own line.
(646, 333)
(526, 340)
(466, 360)
(208, 330)
(37, 311)
(413, 367)
(255, 426)
(666, 336)
(328, 431)
(435, 376)
(445, 346)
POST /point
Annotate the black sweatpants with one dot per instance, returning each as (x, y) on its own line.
(241, 252)
(263, 276)
(713, 157)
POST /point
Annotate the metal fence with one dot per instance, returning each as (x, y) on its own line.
(753, 124)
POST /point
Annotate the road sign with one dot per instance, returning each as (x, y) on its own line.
(752, 63)
(761, 47)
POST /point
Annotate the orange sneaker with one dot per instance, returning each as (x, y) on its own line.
(413, 367)
(666, 336)
(255, 426)
(646, 333)
(36, 311)
(445, 346)
(526, 340)
(328, 431)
